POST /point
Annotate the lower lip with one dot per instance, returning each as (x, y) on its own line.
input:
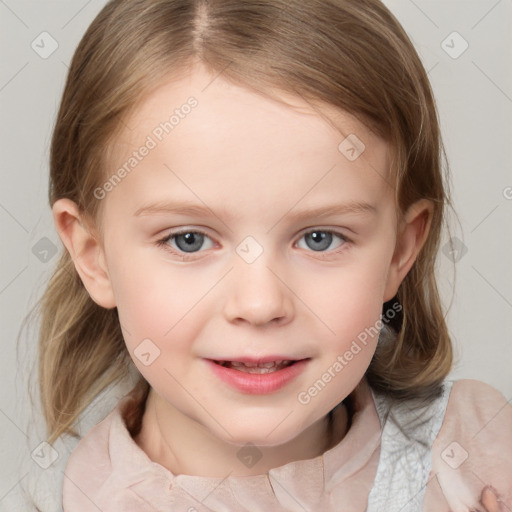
(258, 383)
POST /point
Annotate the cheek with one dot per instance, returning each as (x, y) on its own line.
(152, 298)
(348, 304)
(159, 313)
(349, 298)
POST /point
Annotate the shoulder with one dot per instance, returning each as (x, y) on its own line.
(479, 416)
(91, 463)
(88, 466)
(106, 464)
(469, 396)
(474, 445)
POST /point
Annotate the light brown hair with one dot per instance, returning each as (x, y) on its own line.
(350, 54)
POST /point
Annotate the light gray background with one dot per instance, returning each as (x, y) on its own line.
(474, 96)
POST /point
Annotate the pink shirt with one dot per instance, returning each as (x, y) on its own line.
(107, 470)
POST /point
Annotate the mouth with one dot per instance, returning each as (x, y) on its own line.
(258, 375)
(260, 368)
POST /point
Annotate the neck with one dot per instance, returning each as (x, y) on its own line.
(171, 439)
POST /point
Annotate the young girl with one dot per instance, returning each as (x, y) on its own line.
(250, 195)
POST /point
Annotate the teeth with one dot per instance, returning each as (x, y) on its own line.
(269, 367)
(254, 369)
(247, 365)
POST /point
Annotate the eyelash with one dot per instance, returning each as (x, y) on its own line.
(163, 242)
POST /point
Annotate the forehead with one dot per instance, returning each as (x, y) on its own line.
(203, 134)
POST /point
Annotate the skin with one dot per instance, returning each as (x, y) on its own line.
(255, 162)
(490, 500)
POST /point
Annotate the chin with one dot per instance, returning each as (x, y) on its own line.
(262, 434)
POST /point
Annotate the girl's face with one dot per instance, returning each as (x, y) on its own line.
(286, 252)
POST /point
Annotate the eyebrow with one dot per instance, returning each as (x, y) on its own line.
(193, 209)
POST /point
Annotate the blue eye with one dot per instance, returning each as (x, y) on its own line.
(185, 241)
(319, 240)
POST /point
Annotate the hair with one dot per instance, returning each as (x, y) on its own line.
(349, 54)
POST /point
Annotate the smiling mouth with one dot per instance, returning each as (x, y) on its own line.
(258, 375)
(269, 367)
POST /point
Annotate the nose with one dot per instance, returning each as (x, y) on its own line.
(258, 295)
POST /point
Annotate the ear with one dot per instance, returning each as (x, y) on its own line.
(412, 234)
(85, 250)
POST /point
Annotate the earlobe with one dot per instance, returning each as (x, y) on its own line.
(412, 234)
(85, 250)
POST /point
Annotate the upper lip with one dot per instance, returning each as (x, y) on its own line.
(258, 360)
